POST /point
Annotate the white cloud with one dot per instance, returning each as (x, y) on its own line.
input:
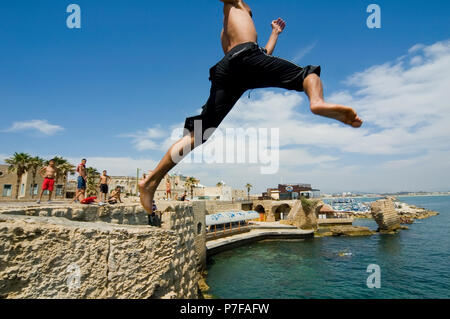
(41, 126)
(407, 104)
(303, 52)
(2, 158)
(147, 139)
(118, 166)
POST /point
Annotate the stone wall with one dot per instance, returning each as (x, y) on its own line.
(384, 213)
(116, 253)
(128, 214)
(304, 218)
(213, 207)
(188, 221)
(50, 257)
(199, 209)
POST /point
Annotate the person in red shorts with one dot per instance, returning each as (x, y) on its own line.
(48, 173)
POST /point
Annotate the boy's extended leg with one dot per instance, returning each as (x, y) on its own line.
(272, 71)
(220, 102)
(148, 185)
(312, 85)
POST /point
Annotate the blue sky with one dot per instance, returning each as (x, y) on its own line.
(140, 65)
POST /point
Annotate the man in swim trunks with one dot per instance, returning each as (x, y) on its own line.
(81, 181)
(245, 66)
(168, 188)
(48, 173)
(103, 183)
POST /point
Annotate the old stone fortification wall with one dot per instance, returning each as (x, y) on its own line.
(128, 214)
(384, 213)
(304, 217)
(187, 219)
(114, 252)
(213, 207)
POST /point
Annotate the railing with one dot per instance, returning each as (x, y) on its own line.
(227, 230)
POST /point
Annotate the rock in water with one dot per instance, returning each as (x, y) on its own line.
(384, 213)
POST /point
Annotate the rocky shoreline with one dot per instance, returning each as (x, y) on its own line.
(408, 213)
(390, 215)
(344, 230)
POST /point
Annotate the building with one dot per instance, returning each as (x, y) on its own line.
(222, 193)
(127, 184)
(313, 193)
(239, 194)
(177, 183)
(291, 191)
(272, 193)
(27, 189)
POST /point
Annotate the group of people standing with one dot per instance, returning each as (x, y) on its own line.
(103, 184)
(48, 173)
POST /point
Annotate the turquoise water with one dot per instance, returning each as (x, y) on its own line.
(414, 263)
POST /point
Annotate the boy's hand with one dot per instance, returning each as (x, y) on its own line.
(278, 25)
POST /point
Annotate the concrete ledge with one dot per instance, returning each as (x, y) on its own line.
(270, 225)
(226, 233)
(215, 246)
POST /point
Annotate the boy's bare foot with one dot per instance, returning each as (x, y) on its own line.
(147, 187)
(338, 112)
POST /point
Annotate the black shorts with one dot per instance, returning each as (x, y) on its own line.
(246, 66)
(104, 188)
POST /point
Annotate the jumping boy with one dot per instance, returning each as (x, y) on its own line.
(245, 66)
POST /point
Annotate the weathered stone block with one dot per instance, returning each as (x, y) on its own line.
(384, 213)
(58, 258)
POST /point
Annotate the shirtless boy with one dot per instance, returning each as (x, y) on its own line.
(168, 188)
(48, 173)
(81, 181)
(245, 66)
(103, 183)
(115, 196)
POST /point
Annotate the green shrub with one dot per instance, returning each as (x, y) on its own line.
(307, 204)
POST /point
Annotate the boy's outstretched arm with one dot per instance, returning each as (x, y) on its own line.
(277, 28)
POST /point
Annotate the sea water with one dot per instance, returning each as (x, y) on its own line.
(414, 263)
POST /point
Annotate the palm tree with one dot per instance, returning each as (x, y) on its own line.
(92, 175)
(34, 164)
(219, 184)
(59, 161)
(190, 183)
(18, 163)
(66, 168)
(249, 187)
